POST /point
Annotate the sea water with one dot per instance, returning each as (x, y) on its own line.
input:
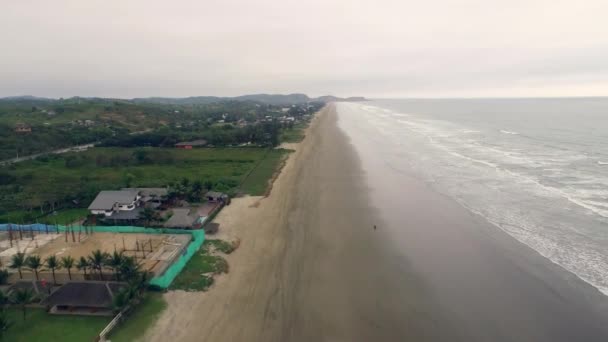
(536, 168)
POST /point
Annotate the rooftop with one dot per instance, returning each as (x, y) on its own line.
(106, 199)
(181, 218)
(192, 143)
(92, 294)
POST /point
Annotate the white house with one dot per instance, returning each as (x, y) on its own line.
(109, 202)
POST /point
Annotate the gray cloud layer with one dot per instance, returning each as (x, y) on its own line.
(388, 48)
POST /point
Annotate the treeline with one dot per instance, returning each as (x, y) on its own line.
(260, 134)
(46, 139)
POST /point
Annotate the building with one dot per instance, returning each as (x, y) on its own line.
(109, 202)
(188, 145)
(182, 218)
(84, 298)
(38, 288)
(217, 197)
(23, 128)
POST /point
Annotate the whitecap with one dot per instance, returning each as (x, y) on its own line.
(508, 132)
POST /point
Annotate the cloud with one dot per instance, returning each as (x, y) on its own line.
(375, 48)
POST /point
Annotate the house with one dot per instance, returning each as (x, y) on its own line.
(23, 128)
(126, 205)
(109, 202)
(188, 145)
(182, 218)
(84, 298)
(216, 197)
(151, 197)
(38, 288)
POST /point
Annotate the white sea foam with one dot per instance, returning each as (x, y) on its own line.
(550, 196)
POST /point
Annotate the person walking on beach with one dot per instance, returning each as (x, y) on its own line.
(374, 227)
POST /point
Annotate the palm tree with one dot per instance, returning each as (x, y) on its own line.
(33, 263)
(97, 260)
(129, 268)
(67, 262)
(53, 264)
(5, 323)
(18, 262)
(114, 262)
(82, 265)
(23, 297)
(4, 299)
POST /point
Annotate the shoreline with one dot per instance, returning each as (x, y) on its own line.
(495, 287)
(309, 266)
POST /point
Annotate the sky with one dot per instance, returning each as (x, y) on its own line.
(381, 48)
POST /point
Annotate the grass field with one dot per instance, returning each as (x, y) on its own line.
(294, 135)
(143, 317)
(42, 327)
(38, 182)
(198, 273)
(257, 182)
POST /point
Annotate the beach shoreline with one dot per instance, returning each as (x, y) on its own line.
(311, 267)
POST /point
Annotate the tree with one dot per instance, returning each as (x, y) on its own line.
(5, 323)
(53, 264)
(34, 264)
(83, 265)
(196, 191)
(129, 268)
(114, 262)
(208, 185)
(97, 260)
(148, 215)
(22, 297)
(67, 262)
(18, 262)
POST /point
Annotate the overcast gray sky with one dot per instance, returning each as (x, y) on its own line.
(381, 48)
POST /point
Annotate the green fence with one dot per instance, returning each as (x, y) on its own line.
(164, 280)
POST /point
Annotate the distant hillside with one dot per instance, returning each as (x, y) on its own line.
(270, 99)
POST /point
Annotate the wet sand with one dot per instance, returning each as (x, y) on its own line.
(310, 267)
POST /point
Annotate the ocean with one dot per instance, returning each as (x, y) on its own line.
(535, 168)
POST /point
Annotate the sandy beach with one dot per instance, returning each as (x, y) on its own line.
(310, 267)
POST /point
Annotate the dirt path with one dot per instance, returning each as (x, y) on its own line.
(309, 266)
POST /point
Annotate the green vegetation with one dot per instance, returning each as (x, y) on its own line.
(53, 124)
(257, 181)
(40, 326)
(293, 134)
(219, 245)
(146, 313)
(198, 273)
(65, 216)
(41, 186)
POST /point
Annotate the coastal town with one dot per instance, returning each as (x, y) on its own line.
(109, 255)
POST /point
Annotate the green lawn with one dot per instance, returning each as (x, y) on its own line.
(40, 326)
(257, 181)
(38, 182)
(65, 216)
(293, 135)
(143, 317)
(197, 275)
